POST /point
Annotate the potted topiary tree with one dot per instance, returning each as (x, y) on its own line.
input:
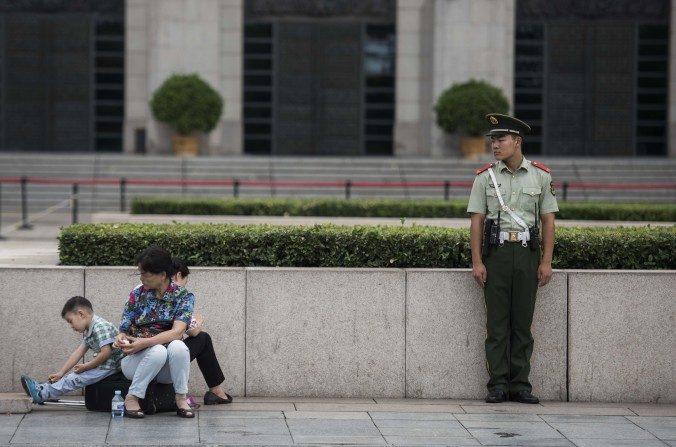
(188, 105)
(463, 107)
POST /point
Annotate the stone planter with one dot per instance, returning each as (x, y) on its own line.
(473, 147)
(185, 145)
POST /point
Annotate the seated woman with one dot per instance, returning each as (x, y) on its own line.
(151, 331)
(201, 348)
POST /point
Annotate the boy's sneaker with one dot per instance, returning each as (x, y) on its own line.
(25, 388)
(33, 388)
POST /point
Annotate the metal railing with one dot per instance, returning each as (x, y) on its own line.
(236, 185)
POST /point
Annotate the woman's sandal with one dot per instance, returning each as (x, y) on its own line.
(133, 414)
(185, 413)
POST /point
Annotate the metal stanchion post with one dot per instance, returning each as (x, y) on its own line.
(447, 190)
(235, 188)
(73, 203)
(123, 194)
(565, 191)
(184, 170)
(24, 205)
(1, 236)
(348, 189)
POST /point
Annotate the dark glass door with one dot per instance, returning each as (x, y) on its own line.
(591, 79)
(318, 87)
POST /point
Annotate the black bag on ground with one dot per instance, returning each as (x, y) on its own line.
(99, 395)
(159, 396)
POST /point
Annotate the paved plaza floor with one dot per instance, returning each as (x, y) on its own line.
(309, 421)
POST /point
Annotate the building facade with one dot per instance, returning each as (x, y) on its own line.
(342, 77)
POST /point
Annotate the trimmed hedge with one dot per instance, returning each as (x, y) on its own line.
(383, 208)
(358, 246)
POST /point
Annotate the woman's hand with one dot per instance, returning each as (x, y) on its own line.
(132, 345)
(199, 320)
(120, 340)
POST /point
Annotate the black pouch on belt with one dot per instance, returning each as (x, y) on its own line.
(534, 238)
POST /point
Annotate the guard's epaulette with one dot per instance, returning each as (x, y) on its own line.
(483, 168)
(541, 166)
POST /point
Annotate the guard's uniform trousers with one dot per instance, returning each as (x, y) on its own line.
(511, 283)
(509, 292)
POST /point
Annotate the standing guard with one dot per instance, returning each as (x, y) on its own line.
(511, 202)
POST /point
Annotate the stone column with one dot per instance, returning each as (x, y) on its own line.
(413, 77)
(671, 129)
(473, 39)
(183, 36)
(136, 95)
(441, 42)
(232, 32)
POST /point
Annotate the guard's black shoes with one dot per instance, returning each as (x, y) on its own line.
(496, 396)
(523, 396)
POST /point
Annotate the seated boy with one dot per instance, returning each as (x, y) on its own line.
(98, 335)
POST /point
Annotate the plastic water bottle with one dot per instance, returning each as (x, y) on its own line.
(117, 405)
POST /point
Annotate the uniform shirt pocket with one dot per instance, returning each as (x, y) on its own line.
(490, 192)
(530, 195)
(492, 198)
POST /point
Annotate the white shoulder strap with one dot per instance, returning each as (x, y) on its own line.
(504, 207)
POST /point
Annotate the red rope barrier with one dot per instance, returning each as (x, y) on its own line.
(190, 182)
(293, 183)
(594, 185)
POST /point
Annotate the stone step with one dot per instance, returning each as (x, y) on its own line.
(383, 169)
(14, 403)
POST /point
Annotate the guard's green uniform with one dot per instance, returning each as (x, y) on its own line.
(511, 282)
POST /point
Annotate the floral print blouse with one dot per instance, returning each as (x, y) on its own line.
(145, 315)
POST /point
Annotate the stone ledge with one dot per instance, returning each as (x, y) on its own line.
(421, 319)
(14, 403)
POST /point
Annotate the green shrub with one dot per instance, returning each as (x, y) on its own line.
(187, 104)
(300, 207)
(657, 212)
(383, 208)
(358, 246)
(464, 106)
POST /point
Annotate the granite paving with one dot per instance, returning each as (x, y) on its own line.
(354, 422)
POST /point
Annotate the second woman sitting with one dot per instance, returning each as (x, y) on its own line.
(155, 317)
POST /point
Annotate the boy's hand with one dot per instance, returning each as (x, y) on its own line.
(80, 368)
(55, 377)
